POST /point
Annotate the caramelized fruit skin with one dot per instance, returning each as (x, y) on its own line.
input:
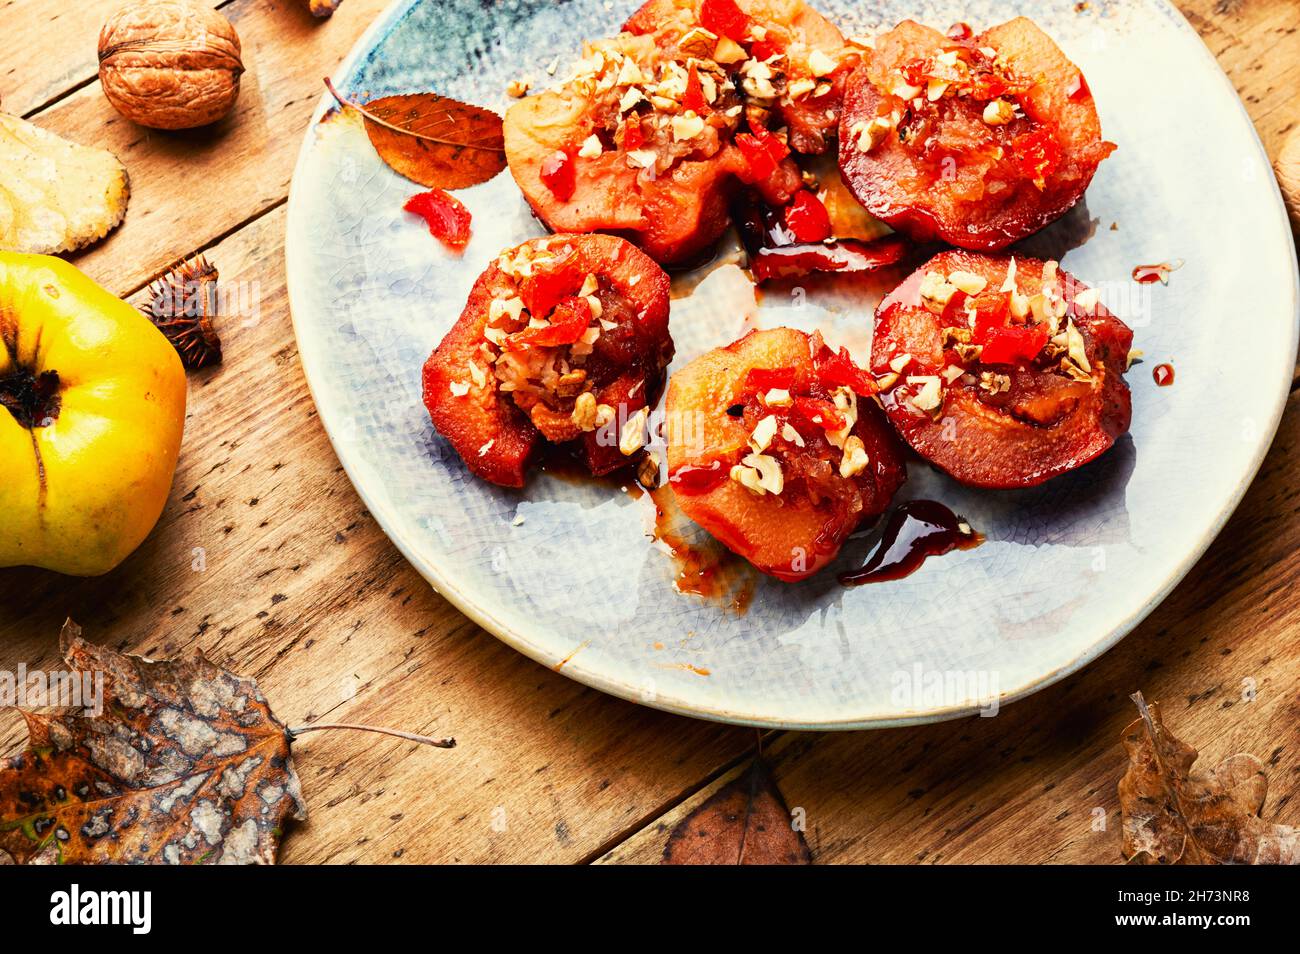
(677, 215)
(496, 439)
(947, 181)
(1044, 424)
(786, 536)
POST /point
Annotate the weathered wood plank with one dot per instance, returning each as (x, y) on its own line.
(300, 588)
(1028, 785)
(190, 188)
(49, 48)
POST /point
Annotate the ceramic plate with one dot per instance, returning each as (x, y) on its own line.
(564, 570)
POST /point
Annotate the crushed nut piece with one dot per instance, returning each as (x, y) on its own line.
(968, 282)
(930, 395)
(764, 431)
(632, 437)
(584, 411)
(999, 112)
(777, 397)
(518, 87)
(819, 64)
(994, 383)
(855, 457)
(591, 148)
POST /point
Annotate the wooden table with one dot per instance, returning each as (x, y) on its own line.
(302, 589)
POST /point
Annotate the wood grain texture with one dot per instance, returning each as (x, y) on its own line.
(1036, 782)
(302, 590)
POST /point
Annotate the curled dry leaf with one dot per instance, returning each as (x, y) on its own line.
(55, 195)
(439, 142)
(1175, 814)
(745, 822)
(185, 764)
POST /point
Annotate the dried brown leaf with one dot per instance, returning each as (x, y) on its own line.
(439, 142)
(185, 764)
(745, 822)
(1176, 814)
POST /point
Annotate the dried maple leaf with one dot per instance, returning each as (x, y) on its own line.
(185, 764)
(434, 140)
(1174, 814)
(745, 822)
(55, 195)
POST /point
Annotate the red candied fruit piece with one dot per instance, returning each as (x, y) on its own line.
(836, 369)
(1013, 345)
(446, 216)
(568, 321)
(558, 176)
(762, 153)
(724, 18)
(765, 379)
(820, 412)
(1037, 154)
(693, 99)
(807, 217)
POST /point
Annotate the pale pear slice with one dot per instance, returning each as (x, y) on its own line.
(55, 195)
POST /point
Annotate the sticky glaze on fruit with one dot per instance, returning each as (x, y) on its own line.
(658, 125)
(978, 141)
(1002, 371)
(776, 448)
(564, 339)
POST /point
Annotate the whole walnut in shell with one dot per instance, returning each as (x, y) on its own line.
(169, 64)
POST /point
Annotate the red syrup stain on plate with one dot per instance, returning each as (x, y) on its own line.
(915, 531)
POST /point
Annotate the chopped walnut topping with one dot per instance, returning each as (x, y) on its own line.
(698, 42)
(930, 395)
(934, 89)
(647, 472)
(952, 372)
(935, 291)
(969, 353)
(687, 126)
(886, 381)
(770, 477)
(1133, 355)
(630, 99)
(518, 87)
(728, 51)
(605, 415)
(476, 373)
(584, 411)
(968, 282)
(591, 148)
(777, 397)
(954, 336)
(819, 64)
(1009, 285)
(868, 136)
(1018, 305)
(994, 383)
(855, 458)
(571, 383)
(763, 433)
(486, 447)
(1077, 349)
(903, 89)
(899, 362)
(791, 435)
(458, 388)
(642, 158)
(999, 112)
(632, 437)
(1085, 302)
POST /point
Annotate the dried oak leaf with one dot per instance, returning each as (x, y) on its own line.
(745, 822)
(55, 195)
(1174, 814)
(434, 140)
(186, 764)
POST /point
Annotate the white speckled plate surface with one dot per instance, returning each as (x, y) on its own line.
(1067, 568)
